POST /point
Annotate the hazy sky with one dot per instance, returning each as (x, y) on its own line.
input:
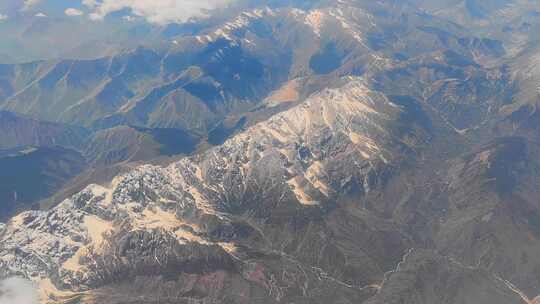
(155, 11)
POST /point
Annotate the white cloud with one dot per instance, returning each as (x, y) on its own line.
(73, 12)
(29, 3)
(18, 291)
(40, 15)
(155, 11)
(3, 17)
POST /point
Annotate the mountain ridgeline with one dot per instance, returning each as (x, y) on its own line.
(352, 151)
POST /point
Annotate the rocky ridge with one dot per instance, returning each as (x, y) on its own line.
(250, 219)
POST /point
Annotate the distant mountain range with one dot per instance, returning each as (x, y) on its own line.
(346, 151)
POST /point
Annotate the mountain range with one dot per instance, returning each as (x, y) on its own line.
(343, 151)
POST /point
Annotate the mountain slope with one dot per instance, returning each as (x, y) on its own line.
(272, 214)
(368, 152)
(32, 174)
(493, 214)
(277, 171)
(19, 131)
(425, 277)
